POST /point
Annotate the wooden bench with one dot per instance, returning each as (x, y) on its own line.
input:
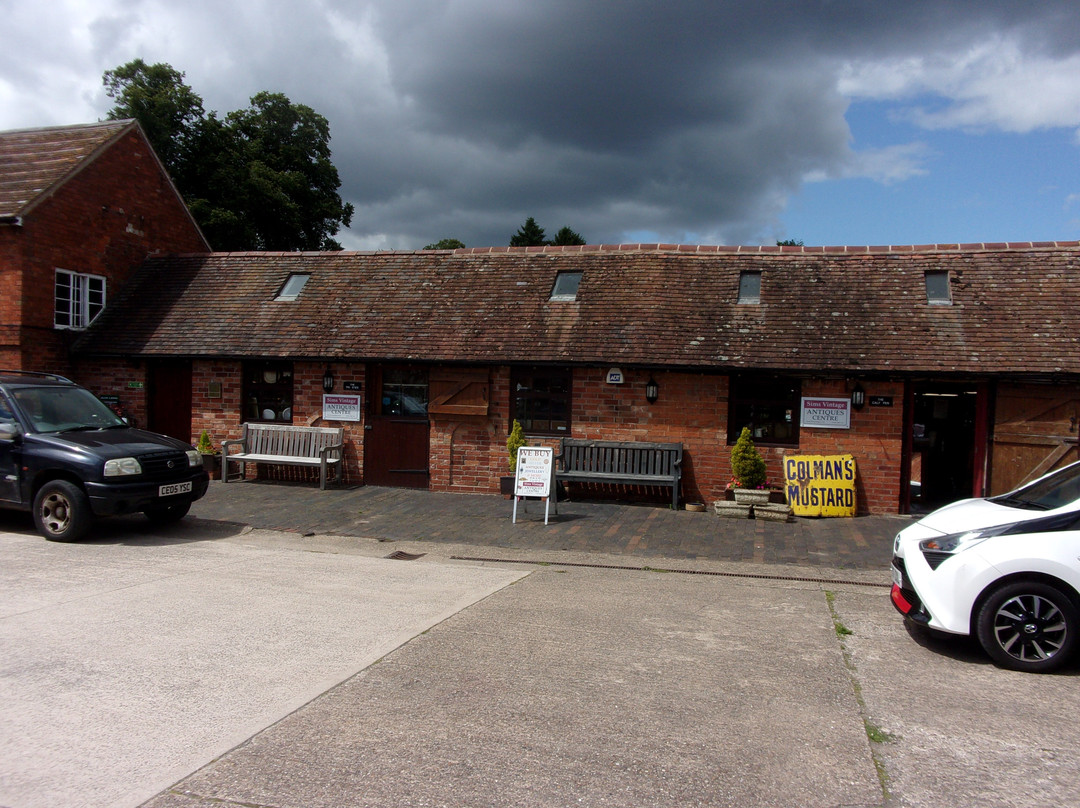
(621, 463)
(288, 445)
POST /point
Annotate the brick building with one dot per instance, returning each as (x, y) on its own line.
(960, 362)
(81, 207)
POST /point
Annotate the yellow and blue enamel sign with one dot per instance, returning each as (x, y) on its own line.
(820, 485)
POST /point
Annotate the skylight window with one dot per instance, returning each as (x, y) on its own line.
(937, 288)
(566, 286)
(293, 286)
(750, 287)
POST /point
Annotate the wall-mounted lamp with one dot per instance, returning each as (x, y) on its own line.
(652, 390)
(327, 380)
(858, 397)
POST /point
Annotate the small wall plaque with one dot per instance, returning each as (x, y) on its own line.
(352, 387)
(881, 401)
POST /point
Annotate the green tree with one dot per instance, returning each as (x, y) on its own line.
(169, 111)
(446, 244)
(529, 234)
(259, 179)
(567, 237)
(790, 242)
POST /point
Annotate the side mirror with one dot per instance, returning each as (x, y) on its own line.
(10, 431)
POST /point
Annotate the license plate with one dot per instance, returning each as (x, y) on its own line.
(174, 488)
(897, 577)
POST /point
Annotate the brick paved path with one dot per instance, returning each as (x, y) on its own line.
(637, 531)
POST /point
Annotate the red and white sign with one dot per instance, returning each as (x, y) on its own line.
(826, 413)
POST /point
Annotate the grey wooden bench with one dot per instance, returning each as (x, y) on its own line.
(621, 463)
(287, 445)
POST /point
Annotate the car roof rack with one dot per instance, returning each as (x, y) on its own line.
(55, 376)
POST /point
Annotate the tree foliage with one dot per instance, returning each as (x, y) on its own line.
(567, 237)
(168, 109)
(531, 234)
(446, 244)
(260, 178)
(790, 242)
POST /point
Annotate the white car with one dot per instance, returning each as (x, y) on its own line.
(1004, 569)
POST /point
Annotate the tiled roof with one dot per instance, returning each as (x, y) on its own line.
(1016, 308)
(34, 161)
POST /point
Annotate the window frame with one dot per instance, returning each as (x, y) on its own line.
(937, 283)
(752, 393)
(259, 393)
(292, 287)
(79, 307)
(525, 400)
(566, 285)
(749, 287)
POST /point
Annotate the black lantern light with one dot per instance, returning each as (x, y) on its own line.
(652, 390)
(327, 380)
(858, 397)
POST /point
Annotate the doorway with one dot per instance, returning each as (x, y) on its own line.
(945, 452)
(168, 406)
(396, 434)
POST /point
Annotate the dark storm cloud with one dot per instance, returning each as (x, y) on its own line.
(687, 120)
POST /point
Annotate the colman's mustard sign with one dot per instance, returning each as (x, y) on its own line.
(820, 485)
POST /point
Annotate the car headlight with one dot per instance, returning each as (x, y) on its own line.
(958, 542)
(194, 459)
(122, 466)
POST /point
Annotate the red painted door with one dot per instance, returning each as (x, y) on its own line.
(396, 433)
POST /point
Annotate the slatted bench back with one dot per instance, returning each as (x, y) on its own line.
(290, 441)
(629, 458)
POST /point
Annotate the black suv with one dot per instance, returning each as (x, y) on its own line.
(67, 457)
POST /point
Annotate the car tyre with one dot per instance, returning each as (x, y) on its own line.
(1028, 626)
(167, 514)
(62, 511)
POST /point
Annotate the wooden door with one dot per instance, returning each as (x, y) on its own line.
(168, 406)
(1035, 431)
(396, 433)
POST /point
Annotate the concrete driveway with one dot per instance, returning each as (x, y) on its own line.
(226, 668)
(129, 661)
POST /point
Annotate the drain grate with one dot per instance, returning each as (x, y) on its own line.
(664, 569)
(401, 555)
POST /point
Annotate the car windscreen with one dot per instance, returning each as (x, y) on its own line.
(1054, 491)
(61, 409)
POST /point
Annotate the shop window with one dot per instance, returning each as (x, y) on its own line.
(404, 392)
(768, 405)
(540, 400)
(78, 299)
(268, 391)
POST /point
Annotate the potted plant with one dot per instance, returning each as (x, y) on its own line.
(748, 466)
(211, 457)
(513, 443)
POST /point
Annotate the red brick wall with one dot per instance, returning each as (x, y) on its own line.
(875, 440)
(222, 418)
(468, 454)
(104, 220)
(116, 377)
